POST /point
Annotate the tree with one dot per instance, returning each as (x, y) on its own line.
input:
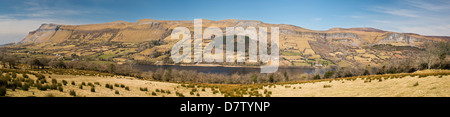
(44, 62)
(286, 77)
(271, 78)
(328, 74)
(36, 63)
(2, 59)
(11, 61)
(366, 72)
(435, 53)
(111, 68)
(57, 64)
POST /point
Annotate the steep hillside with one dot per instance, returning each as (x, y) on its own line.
(149, 40)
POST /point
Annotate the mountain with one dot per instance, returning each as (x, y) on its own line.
(149, 40)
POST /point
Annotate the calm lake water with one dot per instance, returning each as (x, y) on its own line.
(222, 70)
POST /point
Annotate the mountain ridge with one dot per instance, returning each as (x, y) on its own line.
(220, 23)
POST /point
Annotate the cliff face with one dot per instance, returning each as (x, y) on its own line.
(113, 31)
(43, 34)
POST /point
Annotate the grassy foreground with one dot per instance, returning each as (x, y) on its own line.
(80, 83)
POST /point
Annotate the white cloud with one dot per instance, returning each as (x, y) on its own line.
(401, 12)
(395, 11)
(435, 30)
(317, 19)
(13, 30)
(32, 13)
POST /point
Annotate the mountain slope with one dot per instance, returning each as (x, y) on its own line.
(149, 40)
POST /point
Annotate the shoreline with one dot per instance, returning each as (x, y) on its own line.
(230, 66)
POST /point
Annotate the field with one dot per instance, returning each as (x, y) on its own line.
(420, 84)
(430, 86)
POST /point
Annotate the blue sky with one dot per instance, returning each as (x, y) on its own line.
(426, 17)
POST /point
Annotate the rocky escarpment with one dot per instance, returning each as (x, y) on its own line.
(147, 30)
(150, 41)
(42, 34)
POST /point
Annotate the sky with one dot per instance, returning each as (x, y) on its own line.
(425, 17)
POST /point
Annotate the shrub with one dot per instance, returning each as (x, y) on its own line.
(107, 85)
(179, 94)
(60, 89)
(117, 92)
(127, 88)
(49, 95)
(254, 78)
(81, 87)
(194, 90)
(121, 85)
(92, 89)
(157, 90)
(83, 83)
(328, 74)
(153, 93)
(14, 75)
(326, 86)
(53, 87)
(143, 89)
(416, 84)
(43, 80)
(90, 84)
(64, 82)
(97, 83)
(25, 87)
(2, 91)
(366, 72)
(54, 81)
(3, 82)
(41, 87)
(72, 93)
(316, 77)
(73, 82)
(271, 78)
(116, 85)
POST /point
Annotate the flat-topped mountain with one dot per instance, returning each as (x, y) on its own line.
(148, 29)
(149, 40)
